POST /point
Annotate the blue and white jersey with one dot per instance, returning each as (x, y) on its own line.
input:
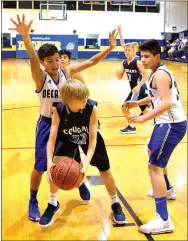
(50, 93)
(176, 113)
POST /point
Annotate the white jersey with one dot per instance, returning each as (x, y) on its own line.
(50, 93)
(176, 113)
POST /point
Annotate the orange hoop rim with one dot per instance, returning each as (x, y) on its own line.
(53, 18)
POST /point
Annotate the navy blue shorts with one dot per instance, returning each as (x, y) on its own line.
(164, 139)
(42, 136)
(100, 157)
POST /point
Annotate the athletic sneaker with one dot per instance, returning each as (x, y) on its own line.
(157, 226)
(128, 130)
(33, 214)
(47, 217)
(170, 194)
(117, 214)
(84, 193)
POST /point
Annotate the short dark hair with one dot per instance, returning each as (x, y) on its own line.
(65, 52)
(152, 46)
(47, 50)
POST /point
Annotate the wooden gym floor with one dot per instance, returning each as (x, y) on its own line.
(127, 153)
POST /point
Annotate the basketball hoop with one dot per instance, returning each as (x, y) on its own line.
(53, 18)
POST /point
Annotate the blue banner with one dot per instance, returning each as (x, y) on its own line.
(66, 42)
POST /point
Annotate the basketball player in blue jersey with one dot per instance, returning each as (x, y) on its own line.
(170, 128)
(137, 76)
(47, 84)
(65, 58)
(75, 121)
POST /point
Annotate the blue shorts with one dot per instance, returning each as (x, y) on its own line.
(164, 139)
(42, 136)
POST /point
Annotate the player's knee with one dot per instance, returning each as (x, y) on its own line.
(106, 174)
(124, 109)
(154, 169)
(149, 152)
(38, 173)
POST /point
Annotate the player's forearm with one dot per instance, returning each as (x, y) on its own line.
(144, 79)
(144, 101)
(119, 74)
(157, 111)
(121, 39)
(100, 56)
(91, 149)
(50, 151)
(29, 47)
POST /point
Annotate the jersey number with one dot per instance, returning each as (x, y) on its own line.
(79, 139)
(129, 77)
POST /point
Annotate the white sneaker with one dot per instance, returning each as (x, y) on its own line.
(157, 226)
(170, 194)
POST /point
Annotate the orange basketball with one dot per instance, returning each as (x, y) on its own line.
(66, 174)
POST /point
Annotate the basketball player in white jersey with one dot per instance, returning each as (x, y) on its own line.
(47, 84)
(65, 58)
(170, 128)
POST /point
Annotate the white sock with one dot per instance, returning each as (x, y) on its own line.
(53, 199)
(131, 125)
(114, 198)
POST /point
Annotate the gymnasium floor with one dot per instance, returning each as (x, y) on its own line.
(128, 156)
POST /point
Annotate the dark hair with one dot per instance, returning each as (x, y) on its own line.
(47, 50)
(65, 52)
(152, 46)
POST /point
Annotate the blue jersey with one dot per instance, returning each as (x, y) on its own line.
(132, 72)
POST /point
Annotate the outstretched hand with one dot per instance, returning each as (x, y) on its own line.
(21, 27)
(135, 118)
(119, 28)
(112, 38)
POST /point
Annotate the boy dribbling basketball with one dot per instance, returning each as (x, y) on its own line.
(75, 122)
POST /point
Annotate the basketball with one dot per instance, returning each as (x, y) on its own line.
(66, 174)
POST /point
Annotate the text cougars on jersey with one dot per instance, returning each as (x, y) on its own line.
(75, 129)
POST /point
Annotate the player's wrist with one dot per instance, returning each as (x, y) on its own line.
(49, 161)
(25, 35)
(138, 103)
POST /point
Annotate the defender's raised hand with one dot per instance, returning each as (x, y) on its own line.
(119, 28)
(21, 27)
(112, 38)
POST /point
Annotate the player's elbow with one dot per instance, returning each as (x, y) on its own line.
(167, 104)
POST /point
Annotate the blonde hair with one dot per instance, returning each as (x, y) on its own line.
(73, 90)
(135, 45)
(128, 45)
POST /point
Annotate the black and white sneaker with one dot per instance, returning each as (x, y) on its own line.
(47, 217)
(128, 130)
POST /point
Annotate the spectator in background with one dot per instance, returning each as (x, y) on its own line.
(172, 49)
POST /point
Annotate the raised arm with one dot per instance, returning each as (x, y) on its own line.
(120, 36)
(72, 69)
(93, 125)
(52, 140)
(23, 29)
(79, 77)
